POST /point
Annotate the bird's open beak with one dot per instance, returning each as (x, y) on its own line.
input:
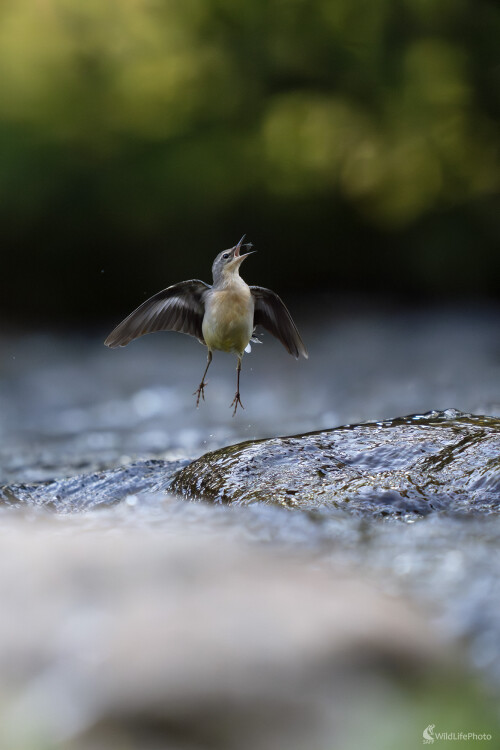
(238, 247)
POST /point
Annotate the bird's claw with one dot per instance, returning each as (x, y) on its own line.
(236, 401)
(200, 393)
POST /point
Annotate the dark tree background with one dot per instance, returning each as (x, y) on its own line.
(356, 142)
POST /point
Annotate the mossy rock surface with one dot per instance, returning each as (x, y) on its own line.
(439, 461)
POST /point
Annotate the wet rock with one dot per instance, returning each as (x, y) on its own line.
(408, 466)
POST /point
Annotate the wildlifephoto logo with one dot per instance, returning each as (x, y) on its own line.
(430, 736)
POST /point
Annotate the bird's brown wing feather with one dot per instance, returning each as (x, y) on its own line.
(270, 312)
(178, 308)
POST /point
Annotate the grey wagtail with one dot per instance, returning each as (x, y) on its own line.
(222, 316)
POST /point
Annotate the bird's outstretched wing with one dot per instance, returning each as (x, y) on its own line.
(270, 312)
(178, 308)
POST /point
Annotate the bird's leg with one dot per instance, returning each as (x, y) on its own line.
(237, 400)
(200, 391)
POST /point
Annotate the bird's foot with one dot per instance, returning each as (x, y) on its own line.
(235, 402)
(200, 393)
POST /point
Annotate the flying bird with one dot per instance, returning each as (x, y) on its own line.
(223, 316)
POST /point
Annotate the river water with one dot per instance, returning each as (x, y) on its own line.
(72, 409)
(68, 402)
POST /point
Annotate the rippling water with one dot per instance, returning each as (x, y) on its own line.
(68, 403)
(72, 408)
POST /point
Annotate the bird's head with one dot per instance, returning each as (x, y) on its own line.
(228, 262)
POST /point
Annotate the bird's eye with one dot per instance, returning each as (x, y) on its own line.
(225, 256)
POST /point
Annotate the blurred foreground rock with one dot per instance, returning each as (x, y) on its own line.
(131, 639)
(411, 465)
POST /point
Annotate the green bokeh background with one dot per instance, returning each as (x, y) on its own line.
(356, 142)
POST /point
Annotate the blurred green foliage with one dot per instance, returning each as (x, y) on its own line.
(355, 141)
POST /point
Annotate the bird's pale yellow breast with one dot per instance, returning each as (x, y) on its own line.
(228, 320)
